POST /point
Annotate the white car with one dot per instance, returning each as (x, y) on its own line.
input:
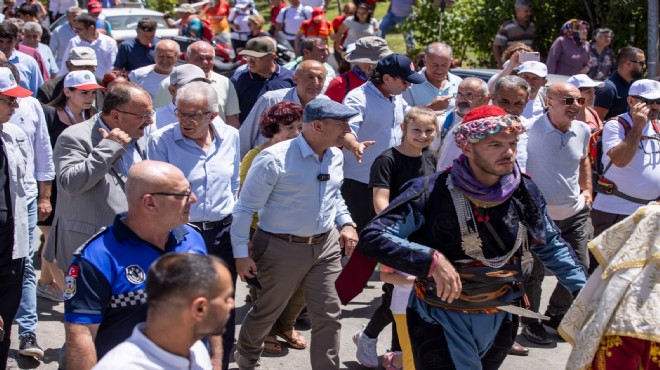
(124, 22)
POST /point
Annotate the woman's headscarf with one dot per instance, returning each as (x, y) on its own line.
(571, 29)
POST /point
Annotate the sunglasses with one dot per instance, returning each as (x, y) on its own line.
(147, 29)
(648, 101)
(640, 62)
(571, 100)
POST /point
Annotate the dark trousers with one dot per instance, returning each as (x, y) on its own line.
(576, 232)
(383, 317)
(359, 200)
(11, 288)
(218, 243)
(602, 221)
(431, 351)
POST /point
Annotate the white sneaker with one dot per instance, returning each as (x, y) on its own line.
(366, 353)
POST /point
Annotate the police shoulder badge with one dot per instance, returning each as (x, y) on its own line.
(69, 287)
(135, 274)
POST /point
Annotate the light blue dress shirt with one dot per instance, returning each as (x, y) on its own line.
(213, 176)
(379, 120)
(283, 187)
(29, 70)
(59, 40)
(424, 93)
(49, 59)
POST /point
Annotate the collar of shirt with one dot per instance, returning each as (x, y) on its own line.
(123, 233)
(371, 89)
(307, 151)
(618, 80)
(256, 76)
(217, 136)
(292, 95)
(549, 128)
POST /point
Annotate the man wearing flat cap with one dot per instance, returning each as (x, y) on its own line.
(303, 223)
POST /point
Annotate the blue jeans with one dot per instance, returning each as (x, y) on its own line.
(26, 316)
(390, 20)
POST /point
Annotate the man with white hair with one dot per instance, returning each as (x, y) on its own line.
(201, 54)
(32, 37)
(309, 78)
(62, 34)
(150, 77)
(472, 92)
(440, 85)
(207, 152)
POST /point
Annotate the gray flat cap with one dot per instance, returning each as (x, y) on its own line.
(318, 109)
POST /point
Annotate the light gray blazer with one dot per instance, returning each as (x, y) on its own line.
(90, 187)
(16, 146)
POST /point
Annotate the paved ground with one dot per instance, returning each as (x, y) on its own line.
(50, 335)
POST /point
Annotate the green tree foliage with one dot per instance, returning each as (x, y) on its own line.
(470, 25)
(162, 5)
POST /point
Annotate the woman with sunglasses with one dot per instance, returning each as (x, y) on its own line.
(569, 54)
(72, 106)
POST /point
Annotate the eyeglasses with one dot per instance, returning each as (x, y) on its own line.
(142, 117)
(11, 102)
(648, 101)
(186, 194)
(147, 29)
(570, 100)
(191, 116)
(640, 62)
(653, 143)
(468, 96)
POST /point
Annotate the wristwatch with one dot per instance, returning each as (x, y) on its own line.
(349, 224)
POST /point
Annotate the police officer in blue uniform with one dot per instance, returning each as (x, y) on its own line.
(105, 286)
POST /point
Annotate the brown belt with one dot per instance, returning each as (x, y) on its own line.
(300, 239)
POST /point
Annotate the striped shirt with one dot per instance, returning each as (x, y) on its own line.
(511, 32)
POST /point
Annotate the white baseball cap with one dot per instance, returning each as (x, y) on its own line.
(583, 80)
(9, 86)
(536, 68)
(81, 80)
(647, 89)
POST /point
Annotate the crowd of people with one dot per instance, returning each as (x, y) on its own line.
(159, 184)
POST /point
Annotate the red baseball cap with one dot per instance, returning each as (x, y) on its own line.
(94, 7)
(318, 14)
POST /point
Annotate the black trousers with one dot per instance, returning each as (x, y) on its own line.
(11, 288)
(383, 317)
(218, 243)
(431, 351)
(359, 201)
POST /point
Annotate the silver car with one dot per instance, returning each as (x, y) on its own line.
(124, 22)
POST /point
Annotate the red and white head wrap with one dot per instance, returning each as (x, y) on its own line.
(486, 120)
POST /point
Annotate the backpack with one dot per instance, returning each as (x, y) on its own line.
(207, 30)
(596, 146)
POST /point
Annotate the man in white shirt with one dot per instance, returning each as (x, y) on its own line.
(290, 18)
(631, 156)
(193, 290)
(150, 77)
(535, 74)
(104, 46)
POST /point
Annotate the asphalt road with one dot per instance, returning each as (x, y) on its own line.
(50, 335)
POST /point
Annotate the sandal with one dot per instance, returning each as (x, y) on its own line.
(272, 345)
(296, 340)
